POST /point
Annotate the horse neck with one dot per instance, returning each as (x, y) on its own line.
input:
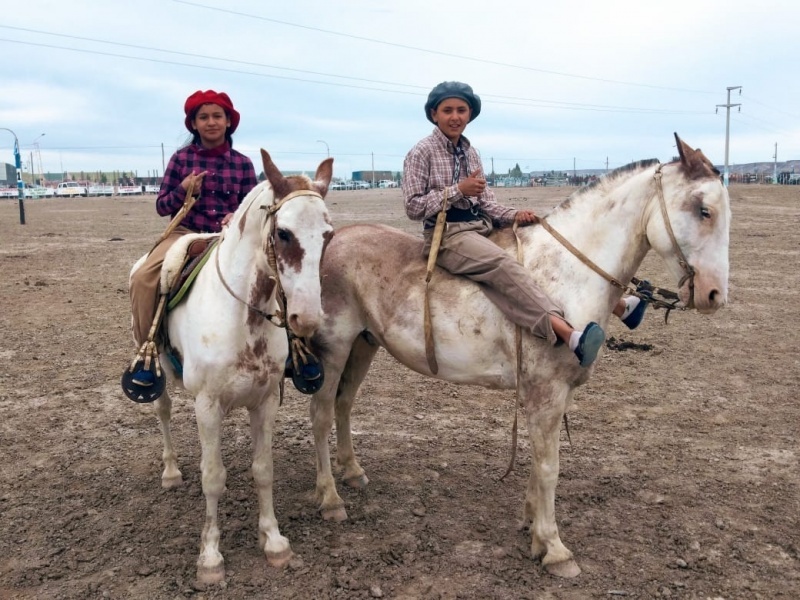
(242, 252)
(607, 224)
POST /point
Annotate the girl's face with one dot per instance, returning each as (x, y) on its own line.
(211, 123)
(451, 117)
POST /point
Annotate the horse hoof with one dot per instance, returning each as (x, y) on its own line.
(359, 482)
(211, 575)
(169, 483)
(337, 515)
(279, 559)
(565, 568)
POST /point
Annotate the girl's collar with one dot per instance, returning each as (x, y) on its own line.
(218, 151)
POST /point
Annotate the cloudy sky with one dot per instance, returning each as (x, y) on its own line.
(564, 83)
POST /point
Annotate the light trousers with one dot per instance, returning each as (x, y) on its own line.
(465, 250)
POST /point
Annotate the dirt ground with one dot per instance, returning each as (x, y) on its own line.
(680, 480)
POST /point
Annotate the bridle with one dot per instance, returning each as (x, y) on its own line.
(671, 298)
(688, 269)
(278, 318)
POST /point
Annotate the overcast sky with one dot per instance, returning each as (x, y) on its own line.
(564, 83)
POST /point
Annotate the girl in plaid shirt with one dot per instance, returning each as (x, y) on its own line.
(221, 177)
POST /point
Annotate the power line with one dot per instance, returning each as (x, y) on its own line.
(438, 52)
(783, 112)
(529, 102)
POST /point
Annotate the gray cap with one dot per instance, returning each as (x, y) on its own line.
(453, 89)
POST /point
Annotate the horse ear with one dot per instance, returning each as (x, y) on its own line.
(694, 162)
(683, 149)
(323, 176)
(280, 185)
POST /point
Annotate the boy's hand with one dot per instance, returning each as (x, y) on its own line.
(472, 185)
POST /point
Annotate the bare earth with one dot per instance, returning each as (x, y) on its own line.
(681, 479)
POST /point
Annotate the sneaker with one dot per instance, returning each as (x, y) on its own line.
(589, 345)
(143, 378)
(633, 320)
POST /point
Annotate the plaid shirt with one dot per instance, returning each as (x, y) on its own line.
(229, 178)
(428, 172)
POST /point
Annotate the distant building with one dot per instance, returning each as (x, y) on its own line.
(375, 176)
(8, 175)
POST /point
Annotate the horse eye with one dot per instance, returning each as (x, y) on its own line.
(284, 235)
(705, 213)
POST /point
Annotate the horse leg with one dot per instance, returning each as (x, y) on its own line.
(331, 505)
(210, 564)
(544, 408)
(355, 371)
(171, 476)
(262, 420)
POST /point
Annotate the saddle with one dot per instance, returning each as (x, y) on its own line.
(182, 264)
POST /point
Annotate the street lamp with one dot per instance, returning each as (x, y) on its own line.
(18, 163)
(327, 149)
(35, 144)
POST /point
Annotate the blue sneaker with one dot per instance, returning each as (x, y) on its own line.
(143, 378)
(589, 345)
(633, 320)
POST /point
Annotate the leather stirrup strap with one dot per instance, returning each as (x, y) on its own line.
(436, 242)
(518, 348)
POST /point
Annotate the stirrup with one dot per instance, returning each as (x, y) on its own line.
(139, 393)
(309, 375)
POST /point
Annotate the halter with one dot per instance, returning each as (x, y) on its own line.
(688, 270)
(279, 317)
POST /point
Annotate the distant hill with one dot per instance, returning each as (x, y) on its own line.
(765, 168)
(759, 168)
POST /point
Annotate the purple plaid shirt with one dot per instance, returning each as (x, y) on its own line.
(229, 179)
(428, 172)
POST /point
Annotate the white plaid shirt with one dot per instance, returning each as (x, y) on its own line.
(428, 173)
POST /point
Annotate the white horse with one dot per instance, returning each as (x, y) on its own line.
(233, 354)
(374, 297)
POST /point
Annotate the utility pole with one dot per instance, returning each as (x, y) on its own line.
(493, 171)
(728, 106)
(775, 165)
(163, 166)
(373, 169)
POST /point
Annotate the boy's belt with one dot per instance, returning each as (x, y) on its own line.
(457, 215)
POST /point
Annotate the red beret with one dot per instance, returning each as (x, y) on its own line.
(196, 100)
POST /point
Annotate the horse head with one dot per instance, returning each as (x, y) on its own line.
(300, 231)
(691, 229)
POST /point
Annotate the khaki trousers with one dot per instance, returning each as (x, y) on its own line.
(145, 286)
(465, 250)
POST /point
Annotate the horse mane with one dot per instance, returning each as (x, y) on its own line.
(634, 166)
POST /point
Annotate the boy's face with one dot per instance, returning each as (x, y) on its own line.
(451, 117)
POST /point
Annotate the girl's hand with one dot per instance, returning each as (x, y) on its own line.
(196, 179)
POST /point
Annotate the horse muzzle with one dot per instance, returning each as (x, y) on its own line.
(705, 295)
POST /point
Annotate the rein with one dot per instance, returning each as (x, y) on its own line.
(689, 271)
